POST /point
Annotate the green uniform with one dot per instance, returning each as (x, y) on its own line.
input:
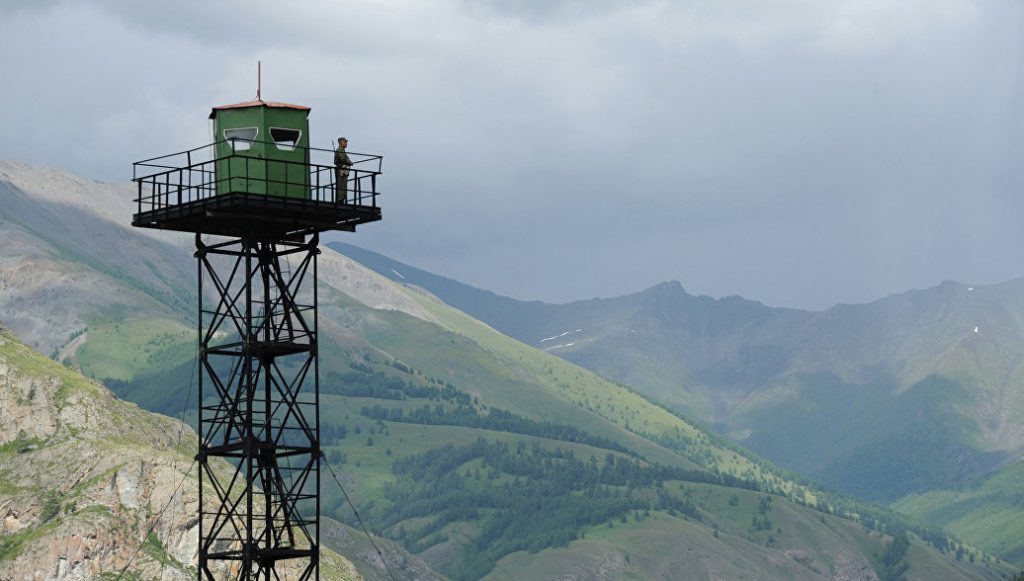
(341, 169)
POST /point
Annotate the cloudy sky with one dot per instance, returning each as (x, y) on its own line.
(800, 153)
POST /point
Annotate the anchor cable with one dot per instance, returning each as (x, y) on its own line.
(360, 519)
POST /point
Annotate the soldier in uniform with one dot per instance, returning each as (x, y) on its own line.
(341, 167)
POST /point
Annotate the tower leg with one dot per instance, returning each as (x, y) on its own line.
(259, 395)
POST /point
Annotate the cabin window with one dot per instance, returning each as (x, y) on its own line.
(284, 138)
(241, 138)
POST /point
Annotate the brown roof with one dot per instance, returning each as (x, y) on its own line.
(258, 104)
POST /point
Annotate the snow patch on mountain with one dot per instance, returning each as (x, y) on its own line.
(560, 336)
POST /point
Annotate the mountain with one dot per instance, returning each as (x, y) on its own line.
(85, 479)
(470, 452)
(912, 393)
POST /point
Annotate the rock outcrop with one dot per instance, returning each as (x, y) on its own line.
(84, 476)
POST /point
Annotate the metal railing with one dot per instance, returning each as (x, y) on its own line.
(200, 173)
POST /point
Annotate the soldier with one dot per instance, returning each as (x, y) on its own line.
(341, 167)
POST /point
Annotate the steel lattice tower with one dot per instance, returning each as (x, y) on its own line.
(258, 351)
(261, 419)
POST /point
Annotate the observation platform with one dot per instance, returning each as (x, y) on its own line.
(242, 195)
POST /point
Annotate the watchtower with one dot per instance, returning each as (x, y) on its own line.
(264, 196)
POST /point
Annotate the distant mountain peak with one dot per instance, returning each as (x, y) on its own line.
(670, 287)
(20, 173)
(674, 284)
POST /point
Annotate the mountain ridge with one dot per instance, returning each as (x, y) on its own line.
(383, 265)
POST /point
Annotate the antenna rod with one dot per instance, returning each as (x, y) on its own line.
(259, 79)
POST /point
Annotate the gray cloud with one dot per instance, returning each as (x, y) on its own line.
(20, 7)
(540, 11)
(796, 152)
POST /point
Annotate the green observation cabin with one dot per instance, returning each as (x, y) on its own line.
(271, 141)
(259, 178)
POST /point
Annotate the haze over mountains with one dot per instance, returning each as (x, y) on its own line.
(478, 453)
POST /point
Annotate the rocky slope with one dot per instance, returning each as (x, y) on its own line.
(66, 262)
(84, 476)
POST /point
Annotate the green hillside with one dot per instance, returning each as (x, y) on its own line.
(985, 512)
(916, 442)
(503, 491)
(645, 548)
